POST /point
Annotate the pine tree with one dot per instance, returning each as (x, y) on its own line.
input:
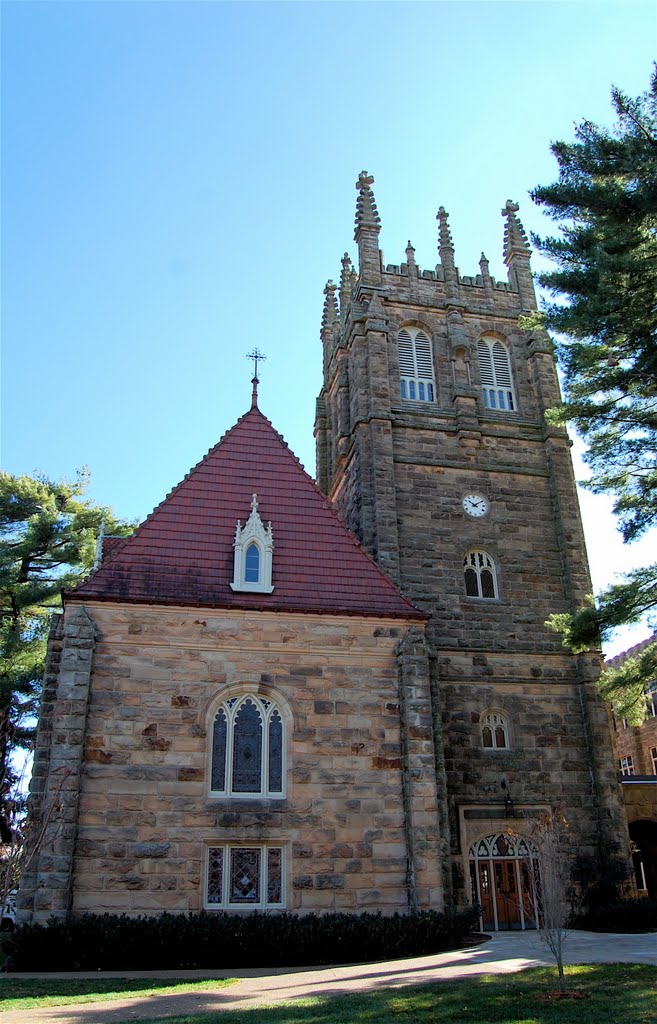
(605, 317)
(48, 534)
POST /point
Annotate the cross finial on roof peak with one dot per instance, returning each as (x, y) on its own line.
(257, 356)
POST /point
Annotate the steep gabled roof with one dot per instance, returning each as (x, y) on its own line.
(183, 553)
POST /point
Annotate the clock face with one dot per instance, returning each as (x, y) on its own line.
(475, 505)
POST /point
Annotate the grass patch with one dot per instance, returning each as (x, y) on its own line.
(28, 993)
(611, 992)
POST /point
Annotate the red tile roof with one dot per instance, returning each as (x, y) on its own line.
(183, 553)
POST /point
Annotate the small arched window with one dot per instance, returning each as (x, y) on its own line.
(495, 372)
(248, 748)
(480, 574)
(252, 564)
(254, 550)
(494, 731)
(416, 376)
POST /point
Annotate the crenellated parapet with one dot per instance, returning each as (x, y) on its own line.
(362, 318)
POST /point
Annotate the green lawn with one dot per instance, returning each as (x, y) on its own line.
(612, 994)
(28, 993)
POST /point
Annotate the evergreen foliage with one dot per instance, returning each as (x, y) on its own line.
(605, 315)
(632, 915)
(48, 533)
(220, 940)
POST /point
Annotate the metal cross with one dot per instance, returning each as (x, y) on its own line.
(257, 356)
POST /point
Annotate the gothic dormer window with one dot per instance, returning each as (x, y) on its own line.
(254, 547)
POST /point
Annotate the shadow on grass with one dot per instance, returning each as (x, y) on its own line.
(617, 993)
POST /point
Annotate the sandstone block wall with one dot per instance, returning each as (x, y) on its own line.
(146, 816)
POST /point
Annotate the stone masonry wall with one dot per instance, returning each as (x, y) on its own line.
(145, 814)
(489, 654)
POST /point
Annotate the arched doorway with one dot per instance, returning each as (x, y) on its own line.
(504, 875)
(643, 834)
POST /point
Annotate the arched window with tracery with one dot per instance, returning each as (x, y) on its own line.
(248, 748)
(495, 372)
(495, 731)
(416, 376)
(480, 574)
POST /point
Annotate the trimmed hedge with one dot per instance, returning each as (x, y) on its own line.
(634, 915)
(215, 941)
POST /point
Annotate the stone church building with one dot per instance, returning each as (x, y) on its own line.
(340, 695)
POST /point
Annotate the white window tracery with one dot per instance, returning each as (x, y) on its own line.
(494, 731)
(245, 877)
(480, 574)
(416, 374)
(248, 748)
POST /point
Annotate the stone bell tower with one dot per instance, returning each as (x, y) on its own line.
(433, 444)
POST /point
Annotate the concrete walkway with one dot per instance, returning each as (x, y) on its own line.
(504, 953)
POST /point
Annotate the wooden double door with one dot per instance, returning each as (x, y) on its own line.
(505, 888)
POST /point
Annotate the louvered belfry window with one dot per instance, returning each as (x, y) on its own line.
(416, 377)
(495, 373)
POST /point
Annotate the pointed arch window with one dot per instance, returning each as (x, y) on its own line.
(248, 748)
(254, 551)
(496, 377)
(416, 375)
(480, 574)
(495, 731)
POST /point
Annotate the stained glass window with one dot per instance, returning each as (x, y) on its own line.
(219, 751)
(245, 876)
(215, 874)
(275, 753)
(248, 748)
(274, 875)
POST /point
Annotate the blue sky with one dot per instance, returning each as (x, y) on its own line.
(178, 185)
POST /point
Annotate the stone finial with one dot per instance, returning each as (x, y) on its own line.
(368, 225)
(516, 256)
(444, 234)
(330, 314)
(367, 215)
(515, 238)
(446, 250)
(345, 285)
(485, 273)
(410, 255)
